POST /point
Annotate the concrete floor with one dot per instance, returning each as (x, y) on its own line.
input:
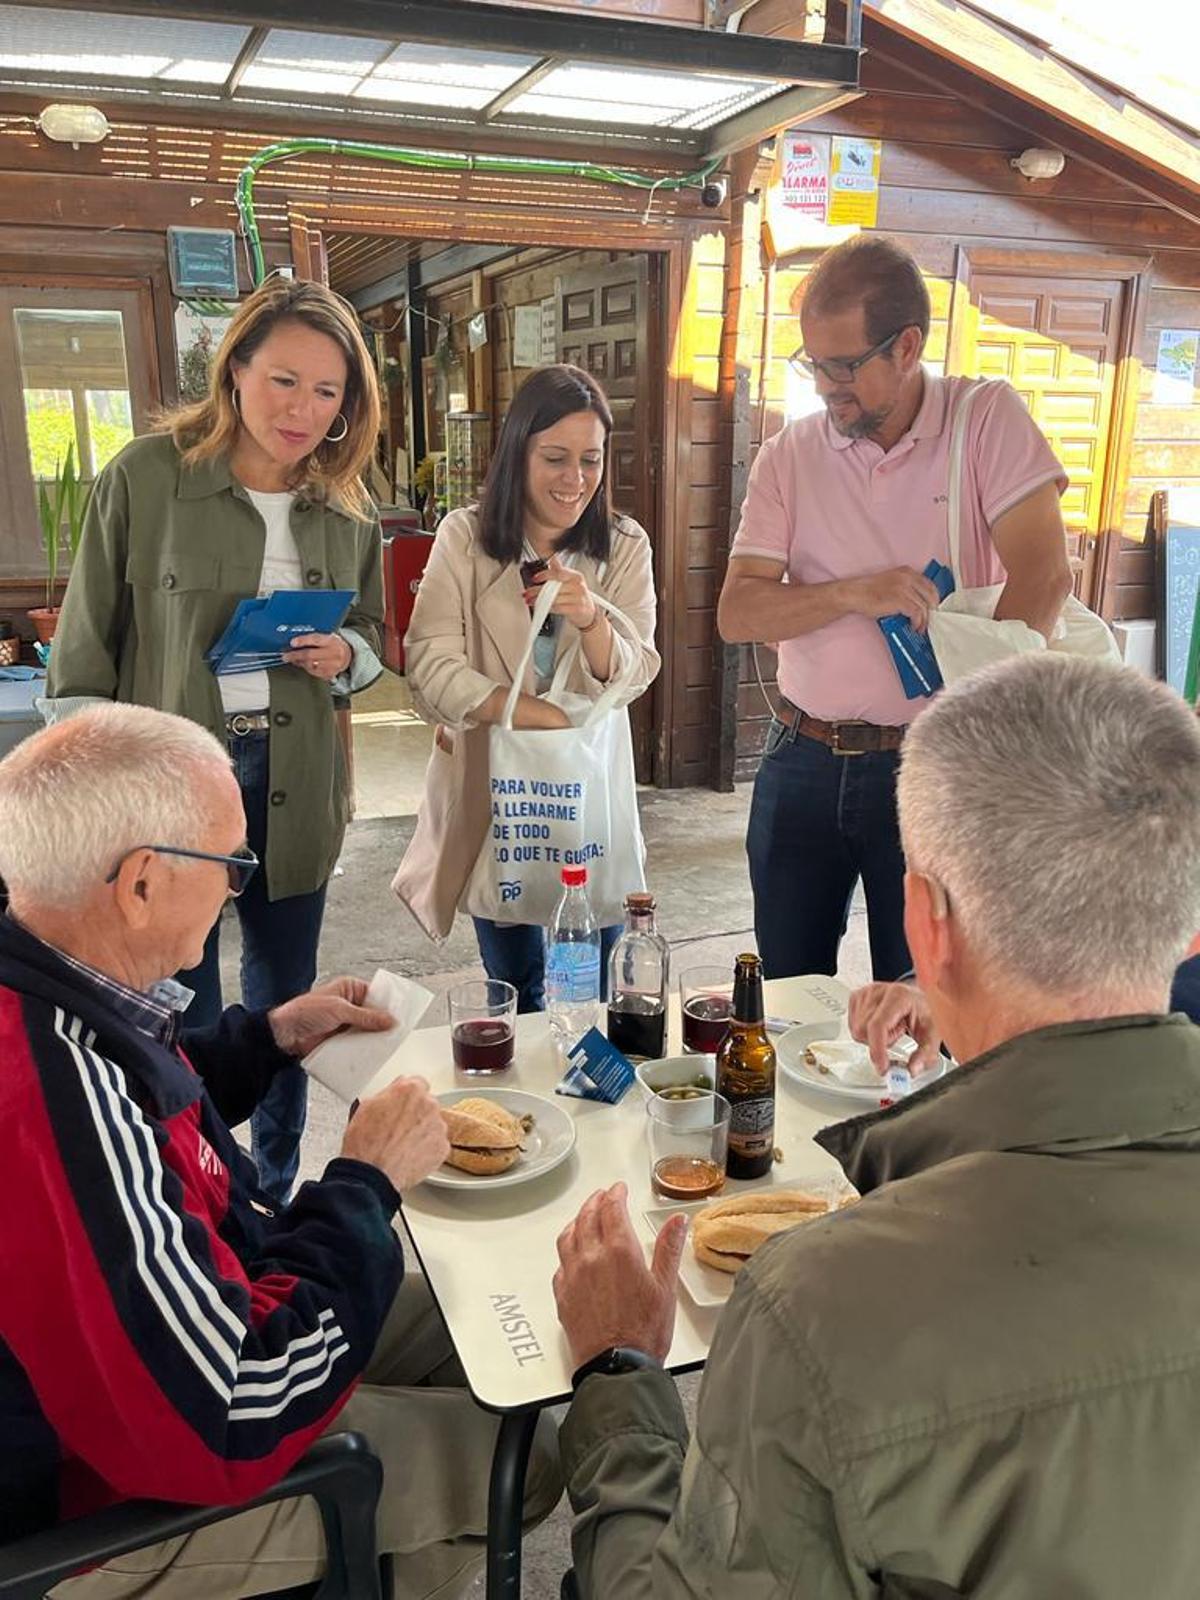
(696, 866)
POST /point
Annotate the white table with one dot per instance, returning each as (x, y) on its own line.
(489, 1256)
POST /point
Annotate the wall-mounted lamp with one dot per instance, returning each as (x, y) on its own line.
(74, 125)
(1039, 163)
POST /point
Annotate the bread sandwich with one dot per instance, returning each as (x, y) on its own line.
(484, 1137)
(726, 1234)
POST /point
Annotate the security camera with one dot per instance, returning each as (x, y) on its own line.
(713, 193)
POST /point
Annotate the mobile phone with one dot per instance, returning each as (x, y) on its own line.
(529, 571)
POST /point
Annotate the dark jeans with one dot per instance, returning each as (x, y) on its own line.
(279, 961)
(819, 822)
(516, 953)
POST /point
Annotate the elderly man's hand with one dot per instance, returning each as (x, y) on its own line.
(300, 1025)
(606, 1294)
(881, 1012)
(401, 1131)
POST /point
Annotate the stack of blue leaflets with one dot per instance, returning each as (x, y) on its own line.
(911, 650)
(596, 1070)
(261, 630)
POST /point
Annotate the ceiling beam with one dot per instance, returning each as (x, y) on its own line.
(425, 271)
(769, 116)
(536, 73)
(245, 56)
(618, 40)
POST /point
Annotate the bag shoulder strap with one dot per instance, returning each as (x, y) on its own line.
(954, 484)
(545, 599)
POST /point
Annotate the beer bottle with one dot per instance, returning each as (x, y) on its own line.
(746, 1076)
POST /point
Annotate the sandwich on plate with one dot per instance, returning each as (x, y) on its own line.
(726, 1234)
(484, 1138)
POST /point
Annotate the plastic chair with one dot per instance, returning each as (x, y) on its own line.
(340, 1472)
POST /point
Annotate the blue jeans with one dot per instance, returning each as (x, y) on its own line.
(516, 953)
(279, 961)
(819, 822)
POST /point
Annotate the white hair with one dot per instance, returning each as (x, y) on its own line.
(1057, 802)
(78, 796)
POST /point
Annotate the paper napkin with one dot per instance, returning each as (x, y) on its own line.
(349, 1061)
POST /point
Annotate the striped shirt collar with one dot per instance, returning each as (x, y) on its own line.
(157, 1012)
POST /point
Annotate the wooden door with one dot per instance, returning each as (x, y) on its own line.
(608, 326)
(78, 366)
(1057, 341)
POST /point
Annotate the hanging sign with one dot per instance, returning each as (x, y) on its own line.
(477, 331)
(854, 181)
(527, 336)
(804, 174)
(549, 330)
(1175, 369)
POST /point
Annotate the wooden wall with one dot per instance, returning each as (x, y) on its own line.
(945, 182)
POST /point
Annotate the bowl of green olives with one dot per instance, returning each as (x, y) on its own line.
(677, 1077)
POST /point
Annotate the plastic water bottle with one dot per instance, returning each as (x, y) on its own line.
(573, 963)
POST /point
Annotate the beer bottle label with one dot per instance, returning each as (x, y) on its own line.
(752, 1125)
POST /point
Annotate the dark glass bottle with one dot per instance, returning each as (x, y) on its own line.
(746, 1076)
(638, 975)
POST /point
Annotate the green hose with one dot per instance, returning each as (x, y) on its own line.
(433, 160)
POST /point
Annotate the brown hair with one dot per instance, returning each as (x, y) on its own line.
(547, 396)
(208, 428)
(879, 275)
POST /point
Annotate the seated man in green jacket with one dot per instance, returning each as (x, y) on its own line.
(984, 1378)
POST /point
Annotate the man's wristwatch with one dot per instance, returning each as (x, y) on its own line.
(616, 1359)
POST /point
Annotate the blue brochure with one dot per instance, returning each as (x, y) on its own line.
(911, 650)
(261, 630)
(596, 1070)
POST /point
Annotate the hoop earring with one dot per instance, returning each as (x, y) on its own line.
(336, 438)
(234, 401)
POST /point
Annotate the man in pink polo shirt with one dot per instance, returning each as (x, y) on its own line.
(843, 511)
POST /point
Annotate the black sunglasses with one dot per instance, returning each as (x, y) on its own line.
(241, 866)
(840, 371)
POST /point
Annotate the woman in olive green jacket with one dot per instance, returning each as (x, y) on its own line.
(255, 489)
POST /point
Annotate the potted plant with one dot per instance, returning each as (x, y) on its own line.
(60, 508)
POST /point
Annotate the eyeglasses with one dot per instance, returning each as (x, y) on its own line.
(839, 371)
(241, 866)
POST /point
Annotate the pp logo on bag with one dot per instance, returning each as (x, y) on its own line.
(509, 891)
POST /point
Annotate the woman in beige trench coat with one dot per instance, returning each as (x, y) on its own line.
(545, 513)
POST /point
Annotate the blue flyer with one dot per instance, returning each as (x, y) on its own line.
(911, 650)
(596, 1070)
(261, 630)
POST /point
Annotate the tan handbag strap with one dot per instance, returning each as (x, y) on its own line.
(954, 484)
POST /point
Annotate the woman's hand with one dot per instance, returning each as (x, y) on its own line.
(574, 600)
(321, 655)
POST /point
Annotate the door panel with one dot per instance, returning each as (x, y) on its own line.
(606, 325)
(1056, 340)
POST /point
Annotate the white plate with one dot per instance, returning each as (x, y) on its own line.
(789, 1052)
(706, 1285)
(547, 1144)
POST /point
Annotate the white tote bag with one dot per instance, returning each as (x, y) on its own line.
(963, 630)
(561, 797)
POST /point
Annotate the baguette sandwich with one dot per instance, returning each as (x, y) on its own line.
(484, 1138)
(725, 1235)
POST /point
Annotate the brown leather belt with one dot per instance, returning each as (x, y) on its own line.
(843, 738)
(240, 723)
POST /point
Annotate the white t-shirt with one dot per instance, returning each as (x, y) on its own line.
(250, 691)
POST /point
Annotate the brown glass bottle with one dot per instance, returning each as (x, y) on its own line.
(746, 1076)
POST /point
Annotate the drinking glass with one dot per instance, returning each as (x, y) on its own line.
(688, 1130)
(705, 1007)
(483, 1021)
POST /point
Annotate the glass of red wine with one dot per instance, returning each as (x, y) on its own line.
(705, 1006)
(483, 1022)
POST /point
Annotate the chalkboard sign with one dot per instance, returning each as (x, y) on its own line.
(202, 261)
(1180, 583)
